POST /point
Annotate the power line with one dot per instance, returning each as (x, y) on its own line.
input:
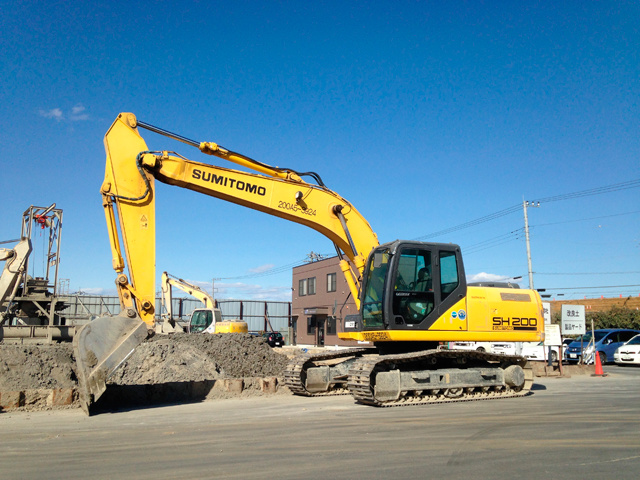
(472, 223)
(588, 273)
(490, 243)
(590, 218)
(515, 208)
(576, 294)
(276, 270)
(494, 242)
(592, 288)
(593, 191)
(271, 271)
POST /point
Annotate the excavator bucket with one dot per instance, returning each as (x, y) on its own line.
(100, 347)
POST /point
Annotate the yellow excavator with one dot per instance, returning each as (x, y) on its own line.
(207, 319)
(411, 296)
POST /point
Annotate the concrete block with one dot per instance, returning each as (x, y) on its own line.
(234, 385)
(35, 397)
(9, 400)
(61, 397)
(269, 385)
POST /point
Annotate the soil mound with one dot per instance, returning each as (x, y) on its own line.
(191, 360)
(24, 367)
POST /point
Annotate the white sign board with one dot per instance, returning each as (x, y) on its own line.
(552, 337)
(573, 320)
(546, 306)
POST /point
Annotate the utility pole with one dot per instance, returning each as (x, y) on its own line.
(526, 204)
(213, 292)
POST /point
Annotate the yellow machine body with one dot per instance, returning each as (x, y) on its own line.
(486, 314)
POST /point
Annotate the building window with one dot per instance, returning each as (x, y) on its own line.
(331, 282)
(311, 325)
(307, 286)
(331, 325)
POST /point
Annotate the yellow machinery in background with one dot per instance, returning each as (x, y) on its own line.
(202, 320)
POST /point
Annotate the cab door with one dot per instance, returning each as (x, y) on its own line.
(427, 281)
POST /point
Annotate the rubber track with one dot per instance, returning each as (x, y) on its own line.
(360, 377)
(294, 373)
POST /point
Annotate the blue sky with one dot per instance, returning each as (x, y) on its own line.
(425, 115)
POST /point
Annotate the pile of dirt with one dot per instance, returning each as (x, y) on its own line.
(25, 367)
(193, 361)
(192, 358)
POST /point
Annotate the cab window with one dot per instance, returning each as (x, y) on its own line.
(200, 320)
(449, 278)
(413, 298)
(372, 304)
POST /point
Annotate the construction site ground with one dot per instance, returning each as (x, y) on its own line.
(173, 368)
(581, 427)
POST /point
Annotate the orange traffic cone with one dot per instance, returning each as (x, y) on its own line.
(599, 371)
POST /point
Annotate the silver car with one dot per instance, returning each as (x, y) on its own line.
(629, 353)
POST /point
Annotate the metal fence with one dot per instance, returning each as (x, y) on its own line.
(259, 315)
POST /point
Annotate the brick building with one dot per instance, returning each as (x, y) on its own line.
(320, 301)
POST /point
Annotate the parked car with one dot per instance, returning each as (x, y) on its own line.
(274, 339)
(629, 353)
(539, 352)
(478, 346)
(505, 348)
(607, 341)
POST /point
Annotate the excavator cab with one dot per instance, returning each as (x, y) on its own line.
(203, 318)
(408, 285)
(200, 320)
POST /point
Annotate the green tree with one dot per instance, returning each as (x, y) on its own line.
(617, 317)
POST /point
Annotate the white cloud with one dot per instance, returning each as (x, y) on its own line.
(490, 277)
(77, 114)
(96, 291)
(54, 113)
(262, 268)
(246, 291)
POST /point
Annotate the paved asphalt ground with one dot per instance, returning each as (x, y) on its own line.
(573, 428)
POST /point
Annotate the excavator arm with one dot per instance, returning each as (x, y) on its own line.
(205, 320)
(128, 193)
(169, 281)
(166, 283)
(129, 185)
